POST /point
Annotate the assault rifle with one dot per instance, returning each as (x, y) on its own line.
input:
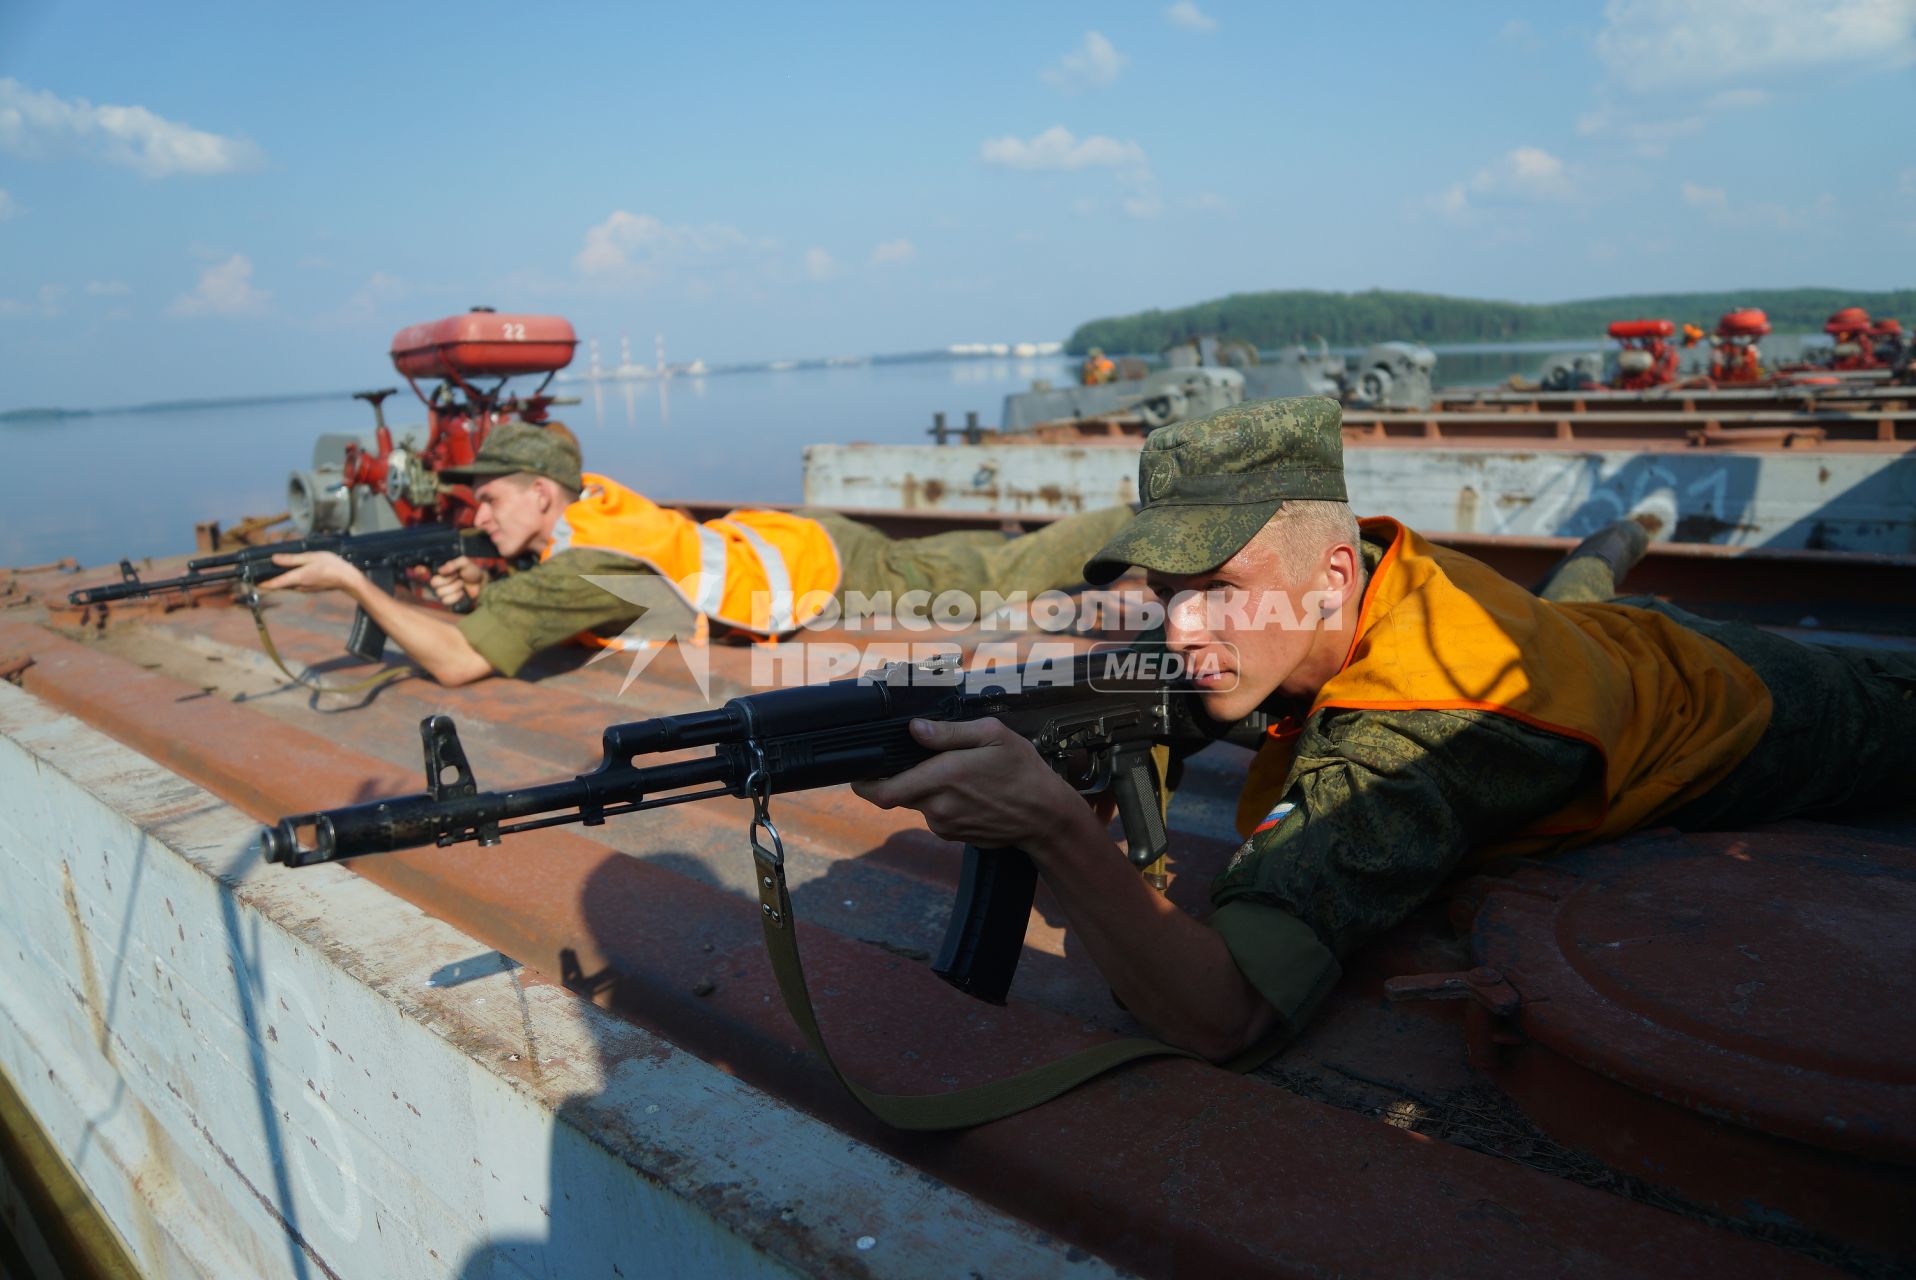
(384, 557)
(1094, 718)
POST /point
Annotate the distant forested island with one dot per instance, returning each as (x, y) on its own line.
(36, 415)
(1283, 317)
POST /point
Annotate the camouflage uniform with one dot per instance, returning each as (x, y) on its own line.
(550, 603)
(1385, 804)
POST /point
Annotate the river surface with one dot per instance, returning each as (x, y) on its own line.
(135, 483)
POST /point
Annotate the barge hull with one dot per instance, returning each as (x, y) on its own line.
(271, 1075)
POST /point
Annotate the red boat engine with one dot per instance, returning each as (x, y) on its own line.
(1854, 337)
(1734, 356)
(352, 475)
(1648, 358)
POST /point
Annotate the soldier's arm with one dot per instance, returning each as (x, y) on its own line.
(548, 604)
(425, 635)
(1381, 810)
(989, 788)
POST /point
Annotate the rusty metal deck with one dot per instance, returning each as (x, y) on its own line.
(1344, 1156)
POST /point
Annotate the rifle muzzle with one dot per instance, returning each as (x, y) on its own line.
(378, 826)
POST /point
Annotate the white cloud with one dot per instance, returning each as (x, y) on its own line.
(1653, 45)
(1187, 15)
(1534, 171)
(225, 289)
(35, 122)
(1058, 149)
(1209, 202)
(107, 289)
(1702, 197)
(637, 247)
(7, 206)
(1907, 182)
(14, 307)
(1094, 64)
(820, 265)
(1522, 175)
(1650, 138)
(1452, 203)
(53, 299)
(893, 252)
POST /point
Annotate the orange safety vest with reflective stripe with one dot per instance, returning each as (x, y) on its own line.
(767, 572)
(1670, 710)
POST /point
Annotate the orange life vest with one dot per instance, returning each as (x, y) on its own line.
(766, 572)
(1671, 711)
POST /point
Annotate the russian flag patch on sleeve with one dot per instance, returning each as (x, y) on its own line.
(1272, 818)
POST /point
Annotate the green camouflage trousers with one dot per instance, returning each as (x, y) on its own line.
(970, 561)
(1841, 728)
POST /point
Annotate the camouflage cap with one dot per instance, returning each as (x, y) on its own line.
(513, 448)
(1209, 484)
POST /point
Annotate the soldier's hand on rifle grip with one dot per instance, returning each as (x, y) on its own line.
(458, 582)
(988, 787)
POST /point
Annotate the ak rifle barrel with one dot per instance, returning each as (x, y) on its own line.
(112, 591)
(409, 822)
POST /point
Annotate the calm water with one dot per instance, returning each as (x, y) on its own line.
(135, 484)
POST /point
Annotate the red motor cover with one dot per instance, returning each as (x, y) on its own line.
(1743, 322)
(1886, 328)
(484, 344)
(1641, 329)
(1848, 320)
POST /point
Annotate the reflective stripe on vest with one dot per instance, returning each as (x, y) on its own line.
(783, 561)
(778, 582)
(708, 591)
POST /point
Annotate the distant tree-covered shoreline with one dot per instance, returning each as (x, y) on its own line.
(1283, 317)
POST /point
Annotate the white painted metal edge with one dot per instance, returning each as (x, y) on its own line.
(248, 1068)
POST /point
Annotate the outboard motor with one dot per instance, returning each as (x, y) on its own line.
(1296, 371)
(1172, 395)
(1392, 375)
(1573, 371)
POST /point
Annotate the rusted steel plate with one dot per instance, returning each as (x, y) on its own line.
(250, 1069)
(1168, 1169)
(1868, 427)
(1685, 400)
(1758, 981)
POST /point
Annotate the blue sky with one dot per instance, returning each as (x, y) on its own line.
(235, 198)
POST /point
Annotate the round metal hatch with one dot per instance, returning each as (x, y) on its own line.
(1763, 984)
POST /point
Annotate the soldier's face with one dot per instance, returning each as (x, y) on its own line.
(1252, 627)
(515, 513)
